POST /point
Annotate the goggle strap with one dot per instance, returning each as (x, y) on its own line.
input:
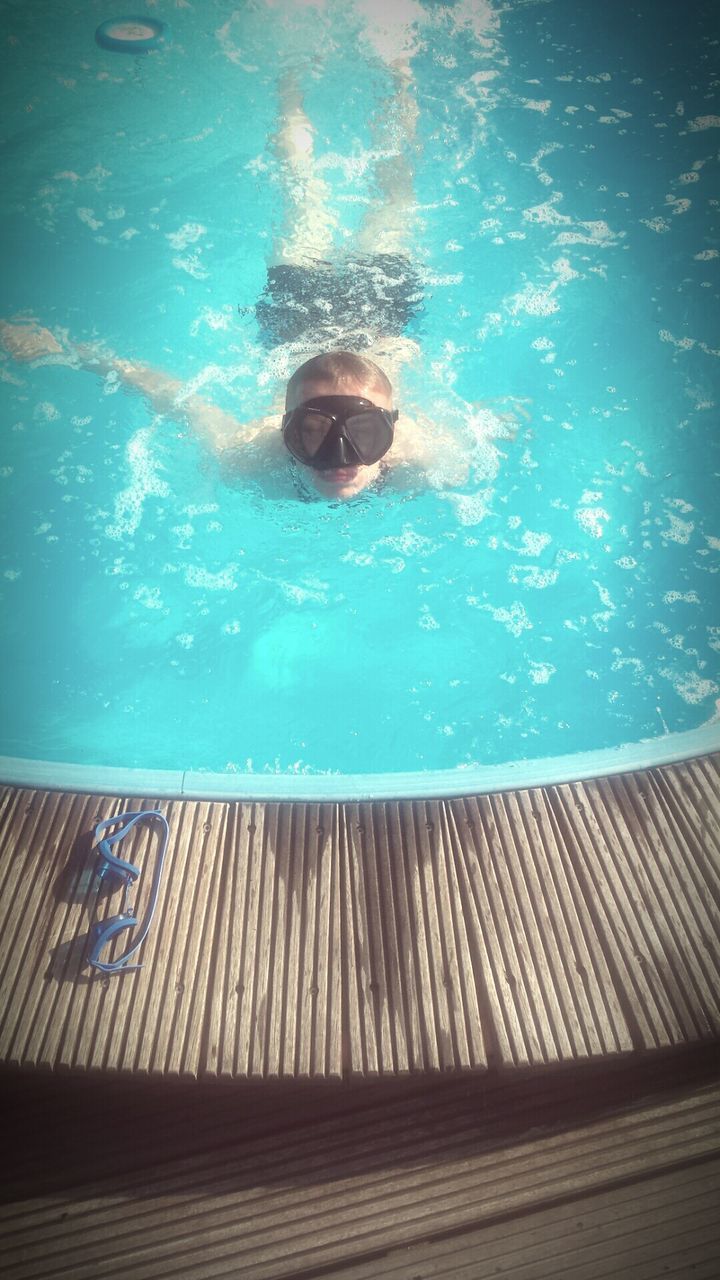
(101, 934)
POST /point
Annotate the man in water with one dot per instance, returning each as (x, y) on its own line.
(340, 425)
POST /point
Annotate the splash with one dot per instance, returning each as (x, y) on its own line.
(145, 483)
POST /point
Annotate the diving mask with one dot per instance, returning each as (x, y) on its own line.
(330, 432)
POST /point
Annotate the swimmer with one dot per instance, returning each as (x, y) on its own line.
(339, 423)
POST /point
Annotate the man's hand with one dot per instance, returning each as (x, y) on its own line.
(29, 341)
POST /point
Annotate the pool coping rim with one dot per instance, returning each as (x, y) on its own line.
(518, 775)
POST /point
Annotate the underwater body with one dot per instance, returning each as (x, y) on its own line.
(160, 612)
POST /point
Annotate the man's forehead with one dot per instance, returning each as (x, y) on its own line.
(303, 391)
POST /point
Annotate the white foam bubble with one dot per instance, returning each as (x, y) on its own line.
(358, 557)
(222, 580)
(541, 672)
(471, 508)
(409, 542)
(427, 621)
(532, 577)
(704, 122)
(634, 663)
(690, 687)
(189, 233)
(149, 598)
(534, 543)
(478, 16)
(592, 520)
(535, 300)
(144, 483)
(203, 509)
(391, 29)
(192, 265)
(678, 205)
(213, 319)
(46, 412)
(534, 104)
(546, 213)
(88, 217)
(678, 530)
(659, 225)
(299, 593)
(687, 597)
(515, 619)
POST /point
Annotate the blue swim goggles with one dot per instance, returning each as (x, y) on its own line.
(103, 931)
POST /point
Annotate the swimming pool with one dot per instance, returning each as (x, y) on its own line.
(561, 602)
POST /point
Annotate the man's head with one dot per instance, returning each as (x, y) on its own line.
(339, 373)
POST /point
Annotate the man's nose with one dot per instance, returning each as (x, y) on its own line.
(344, 453)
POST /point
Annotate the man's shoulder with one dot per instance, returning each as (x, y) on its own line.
(264, 430)
(254, 447)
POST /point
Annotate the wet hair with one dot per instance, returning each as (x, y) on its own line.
(340, 366)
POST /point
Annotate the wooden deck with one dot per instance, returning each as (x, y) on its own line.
(593, 1172)
(295, 941)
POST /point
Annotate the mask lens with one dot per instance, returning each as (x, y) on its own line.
(312, 431)
(370, 435)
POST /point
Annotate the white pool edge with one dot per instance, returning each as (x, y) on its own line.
(47, 775)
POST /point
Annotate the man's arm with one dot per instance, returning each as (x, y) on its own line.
(165, 396)
(29, 341)
(222, 431)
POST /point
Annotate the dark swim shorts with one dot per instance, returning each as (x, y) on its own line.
(352, 303)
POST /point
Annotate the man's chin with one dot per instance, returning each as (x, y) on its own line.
(342, 483)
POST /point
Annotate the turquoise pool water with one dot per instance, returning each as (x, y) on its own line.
(565, 598)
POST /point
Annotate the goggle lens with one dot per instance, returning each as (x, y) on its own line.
(370, 435)
(311, 431)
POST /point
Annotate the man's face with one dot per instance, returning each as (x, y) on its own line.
(343, 482)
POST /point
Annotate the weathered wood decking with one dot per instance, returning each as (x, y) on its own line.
(598, 1172)
(516, 929)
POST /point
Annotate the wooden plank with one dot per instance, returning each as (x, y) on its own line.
(663, 1225)
(324, 1193)
(621, 917)
(690, 794)
(526, 1031)
(181, 1046)
(687, 920)
(316, 903)
(274, 997)
(373, 960)
(466, 988)
(180, 940)
(36, 996)
(652, 893)
(228, 927)
(588, 981)
(448, 1031)
(503, 1026)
